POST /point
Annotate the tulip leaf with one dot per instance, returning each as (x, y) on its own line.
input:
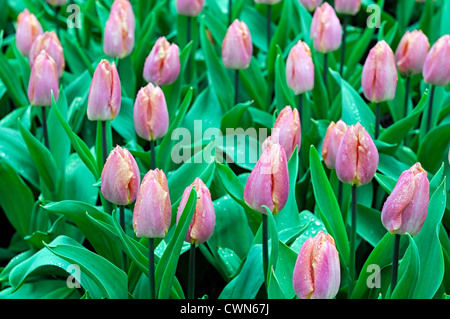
(326, 201)
(432, 151)
(283, 94)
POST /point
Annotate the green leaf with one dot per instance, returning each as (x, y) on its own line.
(432, 151)
(326, 201)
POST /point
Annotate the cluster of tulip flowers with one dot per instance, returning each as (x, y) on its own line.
(350, 150)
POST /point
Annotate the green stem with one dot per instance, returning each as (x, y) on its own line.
(152, 155)
(325, 70)
(236, 87)
(300, 108)
(407, 84)
(44, 127)
(188, 30)
(230, 12)
(104, 142)
(353, 242)
(265, 247)
(430, 108)
(344, 36)
(340, 192)
(122, 224)
(57, 8)
(377, 119)
(394, 273)
(191, 284)
(151, 267)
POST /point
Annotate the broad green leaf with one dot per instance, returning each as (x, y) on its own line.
(432, 151)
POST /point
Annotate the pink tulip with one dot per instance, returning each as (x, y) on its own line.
(43, 80)
(286, 130)
(350, 7)
(300, 69)
(271, 2)
(152, 210)
(326, 30)
(411, 52)
(333, 137)
(118, 39)
(28, 29)
(268, 183)
(237, 47)
(190, 8)
(204, 220)
(379, 76)
(49, 42)
(57, 3)
(406, 207)
(150, 115)
(436, 69)
(120, 177)
(162, 65)
(105, 93)
(311, 5)
(317, 273)
(357, 157)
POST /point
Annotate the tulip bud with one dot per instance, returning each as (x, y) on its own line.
(317, 273)
(267, 1)
(436, 69)
(326, 30)
(190, 8)
(204, 220)
(237, 47)
(405, 210)
(105, 93)
(357, 157)
(56, 3)
(333, 137)
(300, 69)
(152, 210)
(150, 115)
(162, 65)
(350, 7)
(43, 80)
(268, 183)
(28, 29)
(118, 39)
(49, 42)
(411, 52)
(286, 130)
(120, 177)
(379, 76)
(311, 5)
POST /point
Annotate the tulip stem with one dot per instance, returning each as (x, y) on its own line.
(230, 12)
(236, 87)
(152, 155)
(191, 272)
(344, 36)
(394, 273)
(377, 119)
(407, 84)
(325, 69)
(430, 108)
(104, 142)
(151, 267)
(353, 242)
(56, 20)
(300, 108)
(122, 224)
(44, 127)
(340, 192)
(265, 247)
(188, 30)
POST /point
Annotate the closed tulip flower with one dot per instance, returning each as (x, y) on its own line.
(357, 157)
(49, 42)
(118, 38)
(406, 207)
(379, 76)
(411, 52)
(162, 65)
(152, 210)
(286, 130)
(120, 177)
(190, 8)
(326, 30)
(43, 80)
(333, 137)
(436, 69)
(237, 47)
(105, 93)
(350, 7)
(268, 183)
(202, 225)
(300, 69)
(28, 29)
(150, 115)
(317, 273)
(311, 5)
